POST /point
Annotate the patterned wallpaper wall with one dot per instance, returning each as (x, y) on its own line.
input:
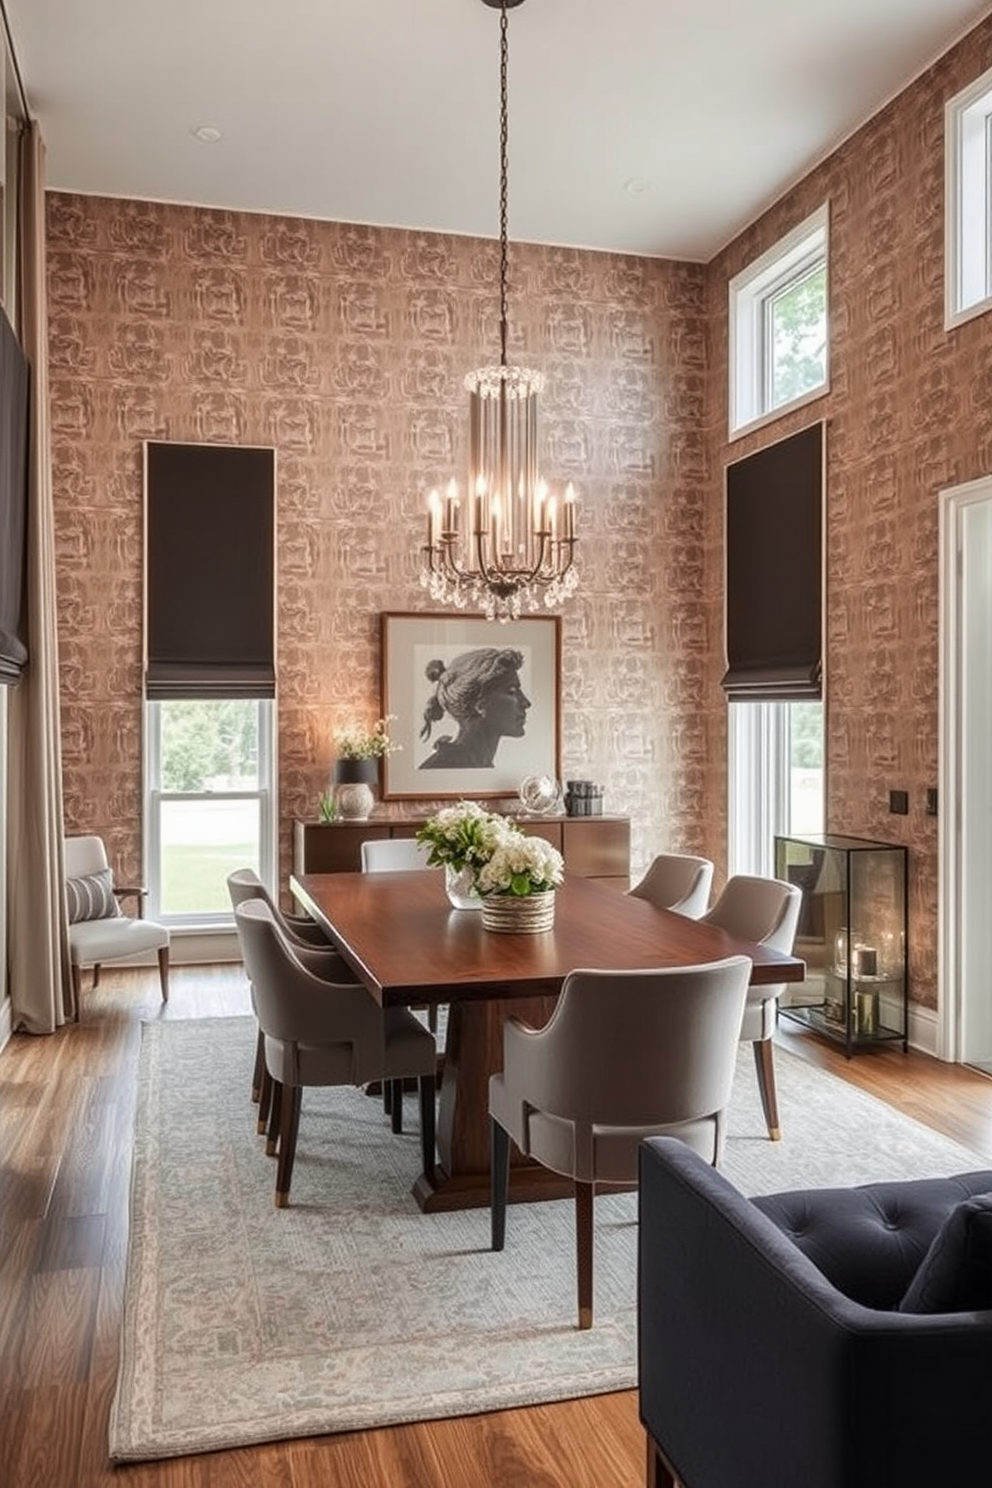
(909, 413)
(345, 348)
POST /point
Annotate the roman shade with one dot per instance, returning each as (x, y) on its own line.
(209, 571)
(774, 571)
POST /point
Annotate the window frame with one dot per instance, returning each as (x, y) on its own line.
(968, 203)
(759, 783)
(751, 294)
(154, 797)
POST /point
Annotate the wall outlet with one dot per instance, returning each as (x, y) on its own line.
(931, 800)
(899, 802)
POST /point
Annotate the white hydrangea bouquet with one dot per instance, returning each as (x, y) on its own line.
(502, 858)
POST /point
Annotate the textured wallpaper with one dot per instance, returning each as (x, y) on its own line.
(345, 348)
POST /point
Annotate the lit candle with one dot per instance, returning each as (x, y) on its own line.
(451, 507)
(553, 518)
(570, 511)
(540, 496)
(433, 517)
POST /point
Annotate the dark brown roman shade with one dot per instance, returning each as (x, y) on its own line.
(209, 571)
(774, 571)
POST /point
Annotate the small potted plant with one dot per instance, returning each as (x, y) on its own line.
(358, 750)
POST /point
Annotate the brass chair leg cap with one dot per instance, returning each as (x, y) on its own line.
(270, 1147)
(774, 1134)
(282, 1200)
(585, 1317)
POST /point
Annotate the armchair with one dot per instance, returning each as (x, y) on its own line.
(771, 1348)
(98, 929)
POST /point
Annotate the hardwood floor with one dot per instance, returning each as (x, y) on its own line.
(66, 1115)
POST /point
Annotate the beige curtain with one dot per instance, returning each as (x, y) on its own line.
(38, 954)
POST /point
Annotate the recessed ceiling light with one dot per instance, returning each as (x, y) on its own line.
(207, 134)
(636, 185)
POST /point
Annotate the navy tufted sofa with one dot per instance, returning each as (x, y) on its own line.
(772, 1353)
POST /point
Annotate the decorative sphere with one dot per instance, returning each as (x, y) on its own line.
(540, 794)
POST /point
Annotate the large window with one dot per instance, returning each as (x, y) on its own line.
(209, 808)
(968, 202)
(776, 779)
(778, 327)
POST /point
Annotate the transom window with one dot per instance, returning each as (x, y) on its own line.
(779, 327)
(968, 202)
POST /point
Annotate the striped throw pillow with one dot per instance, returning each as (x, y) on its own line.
(92, 897)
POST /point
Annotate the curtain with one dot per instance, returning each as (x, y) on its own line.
(38, 953)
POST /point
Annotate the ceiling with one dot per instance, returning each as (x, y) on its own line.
(659, 127)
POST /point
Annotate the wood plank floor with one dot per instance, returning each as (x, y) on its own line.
(66, 1117)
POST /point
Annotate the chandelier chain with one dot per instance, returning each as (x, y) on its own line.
(504, 132)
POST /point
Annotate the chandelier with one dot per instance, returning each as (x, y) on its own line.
(510, 544)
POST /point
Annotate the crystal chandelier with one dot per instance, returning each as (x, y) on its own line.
(510, 545)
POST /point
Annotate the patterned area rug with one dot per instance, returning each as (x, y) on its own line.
(351, 1309)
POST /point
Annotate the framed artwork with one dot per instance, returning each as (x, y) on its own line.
(475, 704)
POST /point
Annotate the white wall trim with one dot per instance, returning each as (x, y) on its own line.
(953, 503)
(6, 1024)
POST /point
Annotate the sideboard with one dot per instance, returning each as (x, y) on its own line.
(594, 846)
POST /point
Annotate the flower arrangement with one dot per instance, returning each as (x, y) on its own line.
(502, 858)
(353, 741)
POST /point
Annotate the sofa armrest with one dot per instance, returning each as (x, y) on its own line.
(753, 1368)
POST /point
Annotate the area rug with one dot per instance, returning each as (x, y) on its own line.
(351, 1308)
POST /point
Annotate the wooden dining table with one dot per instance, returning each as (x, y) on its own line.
(402, 938)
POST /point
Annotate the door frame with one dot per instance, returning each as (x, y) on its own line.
(954, 502)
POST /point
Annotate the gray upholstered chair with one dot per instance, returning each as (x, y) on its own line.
(764, 910)
(245, 883)
(319, 1032)
(625, 1055)
(677, 881)
(98, 929)
(393, 855)
(315, 951)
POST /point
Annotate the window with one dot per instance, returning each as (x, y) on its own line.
(209, 808)
(968, 202)
(776, 779)
(778, 327)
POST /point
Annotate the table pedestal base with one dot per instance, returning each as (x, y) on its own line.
(474, 1051)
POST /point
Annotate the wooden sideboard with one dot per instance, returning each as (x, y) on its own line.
(594, 846)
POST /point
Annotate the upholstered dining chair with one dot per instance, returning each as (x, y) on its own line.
(393, 855)
(765, 910)
(312, 947)
(624, 1056)
(677, 881)
(99, 930)
(397, 855)
(319, 1032)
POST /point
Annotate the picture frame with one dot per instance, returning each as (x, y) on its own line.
(475, 704)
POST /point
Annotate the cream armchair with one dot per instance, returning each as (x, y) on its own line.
(98, 929)
(625, 1055)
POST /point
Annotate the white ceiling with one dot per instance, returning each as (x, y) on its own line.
(386, 111)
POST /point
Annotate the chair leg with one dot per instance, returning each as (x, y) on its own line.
(396, 1105)
(427, 1088)
(163, 971)
(256, 1074)
(764, 1064)
(659, 1474)
(288, 1129)
(96, 976)
(276, 1103)
(499, 1182)
(77, 989)
(583, 1250)
(264, 1101)
(387, 1097)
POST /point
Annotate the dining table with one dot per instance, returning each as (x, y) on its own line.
(401, 936)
